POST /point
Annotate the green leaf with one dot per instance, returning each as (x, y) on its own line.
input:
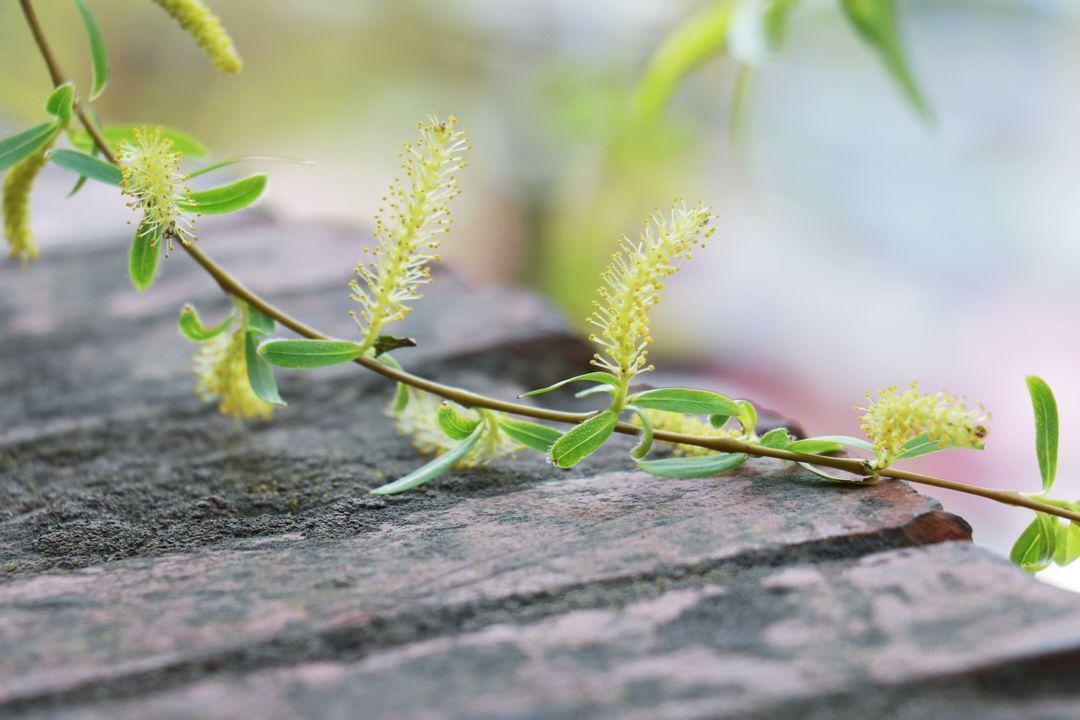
(718, 421)
(604, 378)
(684, 400)
(777, 438)
(836, 478)
(1046, 428)
(225, 198)
(144, 256)
(433, 469)
(61, 102)
(307, 354)
(99, 56)
(401, 393)
(691, 44)
(747, 415)
(921, 445)
(696, 466)
(21, 145)
(117, 135)
(87, 166)
(1067, 548)
(594, 390)
(387, 343)
(643, 447)
(583, 440)
(232, 161)
(828, 443)
(1035, 547)
(456, 424)
(875, 21)
(260, 374)
(192, 325)
(259, 322)
(530, 434)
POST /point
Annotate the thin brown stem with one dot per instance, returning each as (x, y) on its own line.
(232, 286)
(59, 78)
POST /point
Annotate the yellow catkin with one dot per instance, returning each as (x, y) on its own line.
(152, 179)
(892, 418)
(679, 423)
(221, 375)
(408, 227)
(633, 282)
(205, 27)
(419, 420)
(18, 183)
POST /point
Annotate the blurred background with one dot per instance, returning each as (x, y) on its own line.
(861, 242)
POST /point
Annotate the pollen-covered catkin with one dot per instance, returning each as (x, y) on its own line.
(151, 177)
(205, 27)
(408, 227)
(419, 420)
(221, 374)
(633, 282)
(892, 418)
(18, 183)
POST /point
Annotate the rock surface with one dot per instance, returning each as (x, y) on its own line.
(159, 560)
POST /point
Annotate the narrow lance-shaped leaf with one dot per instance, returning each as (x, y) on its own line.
(225, 198)
(258, 321)
(697, 466)
(87, 166)
(919, 446)
(747, 416)
(684, 400)
(260, 373)
(530, 434)
(99, 55)
(401, 395)
(643, 447)
(1067, 548)
(61, 103)
(584, 439)
(433, 469)
(875, 20)
(456, 424)
(828, 443)
(604, 378)
(1034, 549)
(1046, 428)
(193, 328)
(305, 354)
(22, 145)
(144, 256)
(232, 161)
(777, 438)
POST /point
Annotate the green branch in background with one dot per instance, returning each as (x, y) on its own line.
(710, 433)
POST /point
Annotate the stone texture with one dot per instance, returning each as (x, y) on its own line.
(161, 561)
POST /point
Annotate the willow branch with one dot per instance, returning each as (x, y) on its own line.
(230, 285)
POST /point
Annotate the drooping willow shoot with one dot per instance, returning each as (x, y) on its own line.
(708, 433)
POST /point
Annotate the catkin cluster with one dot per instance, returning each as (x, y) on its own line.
(633, 282)
(16, 204)
(153, 181)
(205, 27)
(689, 425)
(892, 418)
(419, 420)
(408, 227)
(221, 375)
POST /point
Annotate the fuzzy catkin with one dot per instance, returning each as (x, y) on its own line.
(205, 27)
(18, 183)
(221, 375)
